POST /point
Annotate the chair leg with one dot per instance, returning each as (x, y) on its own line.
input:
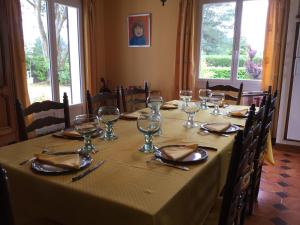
(257, 186)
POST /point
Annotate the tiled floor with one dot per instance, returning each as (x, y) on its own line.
(279, 196)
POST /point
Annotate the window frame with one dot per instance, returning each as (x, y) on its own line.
(53, 46)
(249, 85)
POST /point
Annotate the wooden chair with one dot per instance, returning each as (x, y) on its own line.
(228, 89)
(232, 206)
(38, 107)
(6, 214)
(102, 99)
(104, 86)
(133, 93)
(260, 151)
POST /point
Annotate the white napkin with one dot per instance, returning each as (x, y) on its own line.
(64, 161)
(217, 127)
(176, 153)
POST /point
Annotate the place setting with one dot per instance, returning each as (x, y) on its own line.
(58, 162)
(74, 133)
(219, 128)
(241, 113)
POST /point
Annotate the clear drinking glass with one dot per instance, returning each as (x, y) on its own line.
(191, 109)
(148, 124)
(108, 115)
(185, 96)
(204, 95)
(154, 103)
(217, 99)
(87, 125)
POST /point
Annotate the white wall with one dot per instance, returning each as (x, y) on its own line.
(287, 75)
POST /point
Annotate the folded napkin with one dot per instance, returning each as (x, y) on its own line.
(70, 133)
(168, 106)
(176, 153)
(130, 116)
(239, 113)
(217, 127)
(65, 161)
(221, 105)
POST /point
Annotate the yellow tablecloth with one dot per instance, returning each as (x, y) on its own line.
(125, 190)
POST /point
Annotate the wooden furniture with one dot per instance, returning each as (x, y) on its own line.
(253, 97)
(38, 107)
(104, 86)
(239, 174)
(228, 89)
(8, 124)
(136, 95)
(6, 215)
(102, 99)
(260, 151)
(231, 207)
(125, 185)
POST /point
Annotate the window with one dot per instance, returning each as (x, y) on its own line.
(52, 39)
(232, 41)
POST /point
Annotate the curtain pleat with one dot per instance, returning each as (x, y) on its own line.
(18, 62)
(185, 48)
(275, 41)
(89, 49)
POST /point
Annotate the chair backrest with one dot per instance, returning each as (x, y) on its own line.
(269, 108)
(228, 89)
(6, 214)
(102, 99)
(133, 91)
(104, 86)
(239, 175)
(38, 107)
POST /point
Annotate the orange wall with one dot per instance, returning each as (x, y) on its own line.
(132, 66)
(100, 43)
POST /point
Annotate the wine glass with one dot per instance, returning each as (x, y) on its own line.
(191, 109)
(108, 115)
(154, 103)
(87, 125)
(185, 96)
(217, 99)
(148, 124)
(204, 95)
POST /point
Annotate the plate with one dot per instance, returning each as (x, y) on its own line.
(60, 134)
(232, 129)
(237, 116)
(211, 105)
(196, 157)
(47, 169)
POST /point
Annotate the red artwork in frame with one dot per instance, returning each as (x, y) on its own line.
(139, 30)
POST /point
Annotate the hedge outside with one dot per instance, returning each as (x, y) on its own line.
(225, 60)
(223, 73)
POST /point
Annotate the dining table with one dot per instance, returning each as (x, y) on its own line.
(128, 188)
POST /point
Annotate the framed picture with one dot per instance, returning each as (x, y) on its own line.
(139, 30)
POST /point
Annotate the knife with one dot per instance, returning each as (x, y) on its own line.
(85, 173)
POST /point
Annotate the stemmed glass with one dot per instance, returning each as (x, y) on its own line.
(108, 115)
(204, 95)
(154, 103)
(185, 96)
(191, 109)
(217, 98)
(148, 125)
(87, 125)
